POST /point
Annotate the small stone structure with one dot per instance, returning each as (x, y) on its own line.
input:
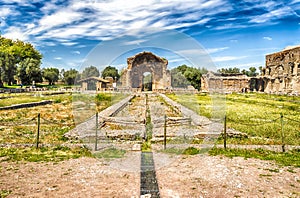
(215, 82)
(95, 83)
(146, 62)
(282, 72)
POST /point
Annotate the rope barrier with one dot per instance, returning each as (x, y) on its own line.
(11, 123)
(256, 124)
(55, 123)
(292, 119)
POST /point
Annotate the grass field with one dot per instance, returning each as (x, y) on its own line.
(258, 115)
(19, 127)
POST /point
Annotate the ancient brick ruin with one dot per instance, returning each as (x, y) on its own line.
(146, 62)
(282, 72)
(216, 82)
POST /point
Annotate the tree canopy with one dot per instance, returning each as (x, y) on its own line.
(90, 71)
(69, 76)
(51, 75)
(184, 75)
(20, 59)
(230, 70)
(110, 71)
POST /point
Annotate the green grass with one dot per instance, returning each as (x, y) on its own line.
(18, 98)
(110, 153)
(5, 193)
(256, 114)
(45, 154)
(291, 158)
(185, 151)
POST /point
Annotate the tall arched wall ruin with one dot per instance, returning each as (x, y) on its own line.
(137, 65)
(282, 72)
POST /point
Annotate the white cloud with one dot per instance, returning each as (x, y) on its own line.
(110, 19)
(4, 12)
(16, 33)
(75, 52)
(215, 50)
(267, 38)
(58, 58)
(227, 58)
(274, 14)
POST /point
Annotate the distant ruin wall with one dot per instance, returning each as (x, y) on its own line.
(282, 72)
(214, 82)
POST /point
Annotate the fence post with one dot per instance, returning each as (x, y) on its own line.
(165, 132)
(96, 136)
(282, 133)
(225, 131)
(38, 130)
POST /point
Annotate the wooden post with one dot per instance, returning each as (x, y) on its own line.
(96, 136)
(282, 133)
(225, 131)
(38, 130)
(165, 132)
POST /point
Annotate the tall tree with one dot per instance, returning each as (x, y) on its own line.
(251, 72)
(29, 71)
(183, 75)
(90, 72)
(14, 54)
(110, 71)
(51, 75)
(69, 76)
(229, 70)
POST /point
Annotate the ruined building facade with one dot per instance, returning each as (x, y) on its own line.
(216, 82)
(142, 64)
(282, 72)
(281, 75)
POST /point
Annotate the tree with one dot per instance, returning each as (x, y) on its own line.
(110, 71)
(183, 75)
(29, 71)
(51, 75)
(251, 73)
(14, 54)
(90, 72)
(70, 76)
(230, 70)
(178, 79)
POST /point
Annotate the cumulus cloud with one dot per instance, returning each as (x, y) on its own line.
(267, 38)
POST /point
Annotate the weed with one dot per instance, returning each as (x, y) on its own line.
(44, 154)
(5, 193)
(291, 158)
(110, 153)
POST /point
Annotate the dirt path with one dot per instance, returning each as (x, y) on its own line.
(193, 176)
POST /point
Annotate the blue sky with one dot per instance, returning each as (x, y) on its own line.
(232, 33)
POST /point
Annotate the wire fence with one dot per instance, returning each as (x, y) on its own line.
(279, 130)
(39, 129)
(32, 131)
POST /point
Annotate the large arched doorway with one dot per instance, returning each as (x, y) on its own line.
(146, 62)
(147, 81)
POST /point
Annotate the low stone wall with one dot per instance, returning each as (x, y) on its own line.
(195, 118)
(27, 105)
(87, 128)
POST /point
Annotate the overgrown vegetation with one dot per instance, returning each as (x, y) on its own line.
(291, 158)
(146, 145)
(256, 114)
(44, 154)
(19, 127)
(110, 153)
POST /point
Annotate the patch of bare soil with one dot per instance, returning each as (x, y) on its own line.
(181, 176)
(83, 177)
(207, 176)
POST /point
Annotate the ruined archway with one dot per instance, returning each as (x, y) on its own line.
(146, 62)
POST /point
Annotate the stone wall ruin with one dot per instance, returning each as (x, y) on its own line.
(282, 72)
(146, 62)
